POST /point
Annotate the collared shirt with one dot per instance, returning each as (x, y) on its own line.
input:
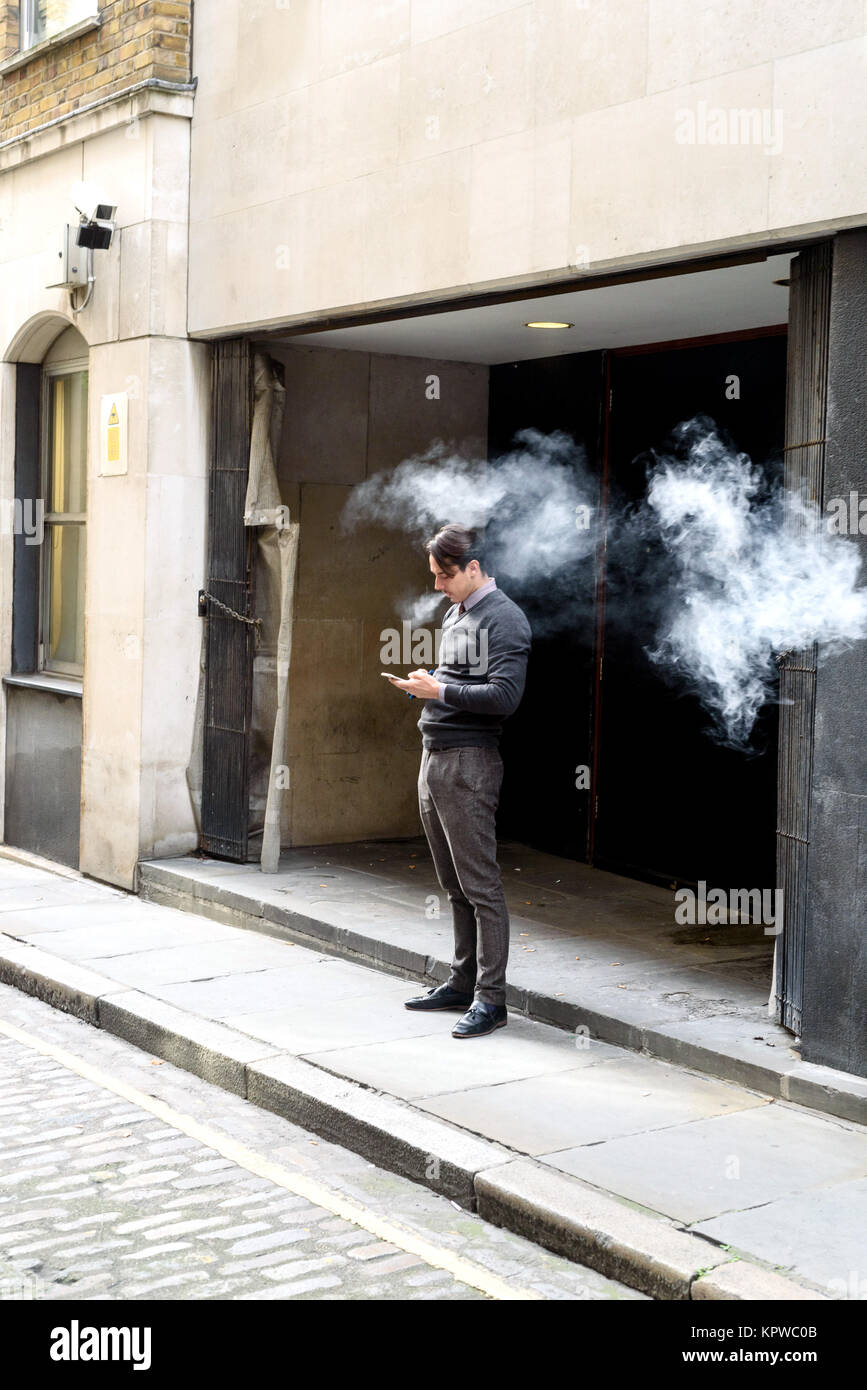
(474, 597)
(468, 602)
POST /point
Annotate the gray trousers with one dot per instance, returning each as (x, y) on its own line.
(458, 791)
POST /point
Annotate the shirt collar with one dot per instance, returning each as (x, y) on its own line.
(479, 593)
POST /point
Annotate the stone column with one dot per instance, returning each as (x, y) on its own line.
(835, 962)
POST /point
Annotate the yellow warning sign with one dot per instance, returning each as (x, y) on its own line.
(113, 421)
(112, 445)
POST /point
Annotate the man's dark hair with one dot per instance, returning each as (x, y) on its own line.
(454, 546)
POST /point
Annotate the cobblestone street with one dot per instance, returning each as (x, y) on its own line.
(102, 1199)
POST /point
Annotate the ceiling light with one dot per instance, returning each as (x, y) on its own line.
(548, 323)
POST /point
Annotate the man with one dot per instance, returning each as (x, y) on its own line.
(479, 682)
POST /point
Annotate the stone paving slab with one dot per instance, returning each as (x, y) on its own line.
(310, 1027)
(26, 923)
(792, 1231)
(204, 960)
(437, 1063)
(126, 936)
(587, 1106)
(26, 893)
(277, 988)
(694, 1171)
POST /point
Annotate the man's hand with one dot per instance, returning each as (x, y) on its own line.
(418, 683)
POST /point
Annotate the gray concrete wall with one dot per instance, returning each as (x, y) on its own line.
(43, 772)
(353, 742)
(835, 964)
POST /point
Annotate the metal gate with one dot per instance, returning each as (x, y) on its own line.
(227, 604)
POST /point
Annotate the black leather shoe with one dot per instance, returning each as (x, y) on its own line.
(480, 1019)
(440, 997)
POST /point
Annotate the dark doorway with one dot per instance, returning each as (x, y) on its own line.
(667, 804)
(550, 735)
(671, 804)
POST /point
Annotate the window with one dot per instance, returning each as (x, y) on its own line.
(41, 19)
(64, 492)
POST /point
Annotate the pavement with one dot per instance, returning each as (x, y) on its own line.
(591, 952)
(678, 1183)
(123, 1177)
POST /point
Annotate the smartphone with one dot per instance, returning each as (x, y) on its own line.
(390, 677)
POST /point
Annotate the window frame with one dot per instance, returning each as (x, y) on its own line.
(27, 39)
(49, 373)
(32, 48)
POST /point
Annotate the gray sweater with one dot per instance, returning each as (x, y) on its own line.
(483, 665)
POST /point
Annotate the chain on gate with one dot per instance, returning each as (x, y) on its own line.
(205, 598)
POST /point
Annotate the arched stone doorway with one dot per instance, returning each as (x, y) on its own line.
(44, 470)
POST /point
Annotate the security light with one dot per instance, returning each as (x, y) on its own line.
(97, 218)
(97, 232)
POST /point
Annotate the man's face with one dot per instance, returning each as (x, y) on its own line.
(456, 584)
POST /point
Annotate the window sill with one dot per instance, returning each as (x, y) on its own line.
(45, 680)
(18, 60)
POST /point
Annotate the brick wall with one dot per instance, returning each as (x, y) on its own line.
(137, 39)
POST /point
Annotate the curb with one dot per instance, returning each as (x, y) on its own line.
(552, 1209)
(803, 1083)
